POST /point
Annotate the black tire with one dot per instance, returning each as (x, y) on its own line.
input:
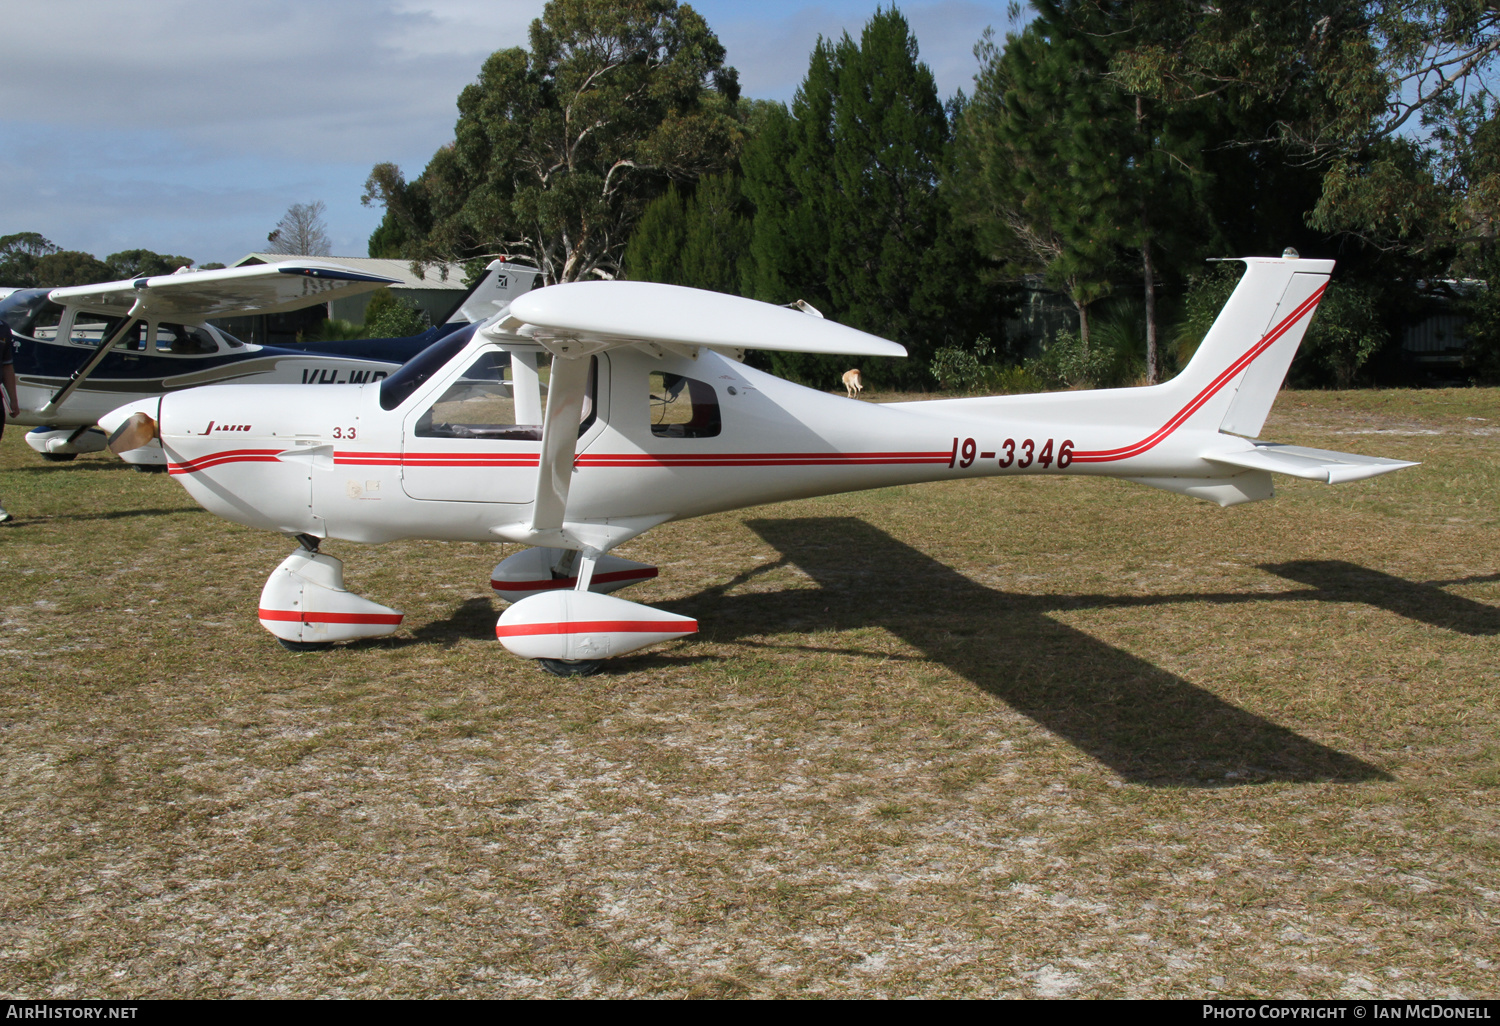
(59, 457)
(305, 646)
(150, 468)
(572, 667)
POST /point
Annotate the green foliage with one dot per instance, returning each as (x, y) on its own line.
(141, 263)
(559, 149)
(390, 316)
(1069, 362)
(1035, 179)
(699, 239)
(1346, 331)
(961, 369)
(655, 249)
(389, 238)
(336, 329)
(849, 215)
(71, 267)
(1207, 293)
(19, 254)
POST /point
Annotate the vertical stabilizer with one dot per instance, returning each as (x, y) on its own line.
(1238, 369)
(502, 283)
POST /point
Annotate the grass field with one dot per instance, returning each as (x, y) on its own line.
(1027, 738)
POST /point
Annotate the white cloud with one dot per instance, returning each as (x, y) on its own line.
(189, 127)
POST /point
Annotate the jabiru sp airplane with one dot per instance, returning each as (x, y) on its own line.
(83, 350)
(588, 413)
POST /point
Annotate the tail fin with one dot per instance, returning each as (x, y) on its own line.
(502, 282)
(1236, 372)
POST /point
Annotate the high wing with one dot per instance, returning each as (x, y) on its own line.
(576, 320)
(195, 296)
(585, 317)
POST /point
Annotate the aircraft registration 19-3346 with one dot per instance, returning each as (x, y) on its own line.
(582, 415)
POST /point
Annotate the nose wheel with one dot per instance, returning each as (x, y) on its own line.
(305, 646)
(305, 605)
(572, 667)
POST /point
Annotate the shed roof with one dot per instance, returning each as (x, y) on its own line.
(399, 269)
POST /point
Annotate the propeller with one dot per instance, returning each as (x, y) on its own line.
(137, 430)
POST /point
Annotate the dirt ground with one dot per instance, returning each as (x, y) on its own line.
(1022, 738)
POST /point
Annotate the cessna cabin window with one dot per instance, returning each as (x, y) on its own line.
(492, 401)
(181, 340)
(683, 407)
(91, 330)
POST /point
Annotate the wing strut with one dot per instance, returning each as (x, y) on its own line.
(565, 393)
(81, 375)
(549, 524)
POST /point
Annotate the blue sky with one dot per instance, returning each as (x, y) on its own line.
(187, 127)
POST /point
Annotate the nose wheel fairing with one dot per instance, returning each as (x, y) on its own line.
(305, 601)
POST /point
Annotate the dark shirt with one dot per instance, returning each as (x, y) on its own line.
(7, 345)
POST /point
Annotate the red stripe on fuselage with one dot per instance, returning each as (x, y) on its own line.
(1209, 391)
(215, 459)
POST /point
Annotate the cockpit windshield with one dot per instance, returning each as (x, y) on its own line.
(22, 310)
(405, 381)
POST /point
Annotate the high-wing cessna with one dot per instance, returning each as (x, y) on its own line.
(83, 350)
(588, 413)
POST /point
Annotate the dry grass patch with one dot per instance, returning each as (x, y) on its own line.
(1025, 738)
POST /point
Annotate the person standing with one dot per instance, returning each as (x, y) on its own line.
(10, 403)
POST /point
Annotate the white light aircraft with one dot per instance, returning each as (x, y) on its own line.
(647, 414)
(83, 350)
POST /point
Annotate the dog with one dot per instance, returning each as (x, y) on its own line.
(853, 382)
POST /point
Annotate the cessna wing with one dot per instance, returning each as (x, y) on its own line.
(195, 296)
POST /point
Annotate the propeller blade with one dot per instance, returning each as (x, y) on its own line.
(134, 433)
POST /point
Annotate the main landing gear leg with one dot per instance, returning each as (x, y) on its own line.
(585, 561)
(305, 605)
(570, 632)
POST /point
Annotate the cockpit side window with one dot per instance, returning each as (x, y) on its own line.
(491, 401)
(683, 407)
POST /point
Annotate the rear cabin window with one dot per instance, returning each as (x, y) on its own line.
(683, 407)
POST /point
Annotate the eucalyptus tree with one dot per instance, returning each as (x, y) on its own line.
(559, 148)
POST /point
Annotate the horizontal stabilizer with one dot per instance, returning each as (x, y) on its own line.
(1312, 464)
(605, 314)
(195, 296)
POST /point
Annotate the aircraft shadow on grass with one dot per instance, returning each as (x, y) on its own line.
(1145, 723)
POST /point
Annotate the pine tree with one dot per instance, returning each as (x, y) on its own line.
(849, 214)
